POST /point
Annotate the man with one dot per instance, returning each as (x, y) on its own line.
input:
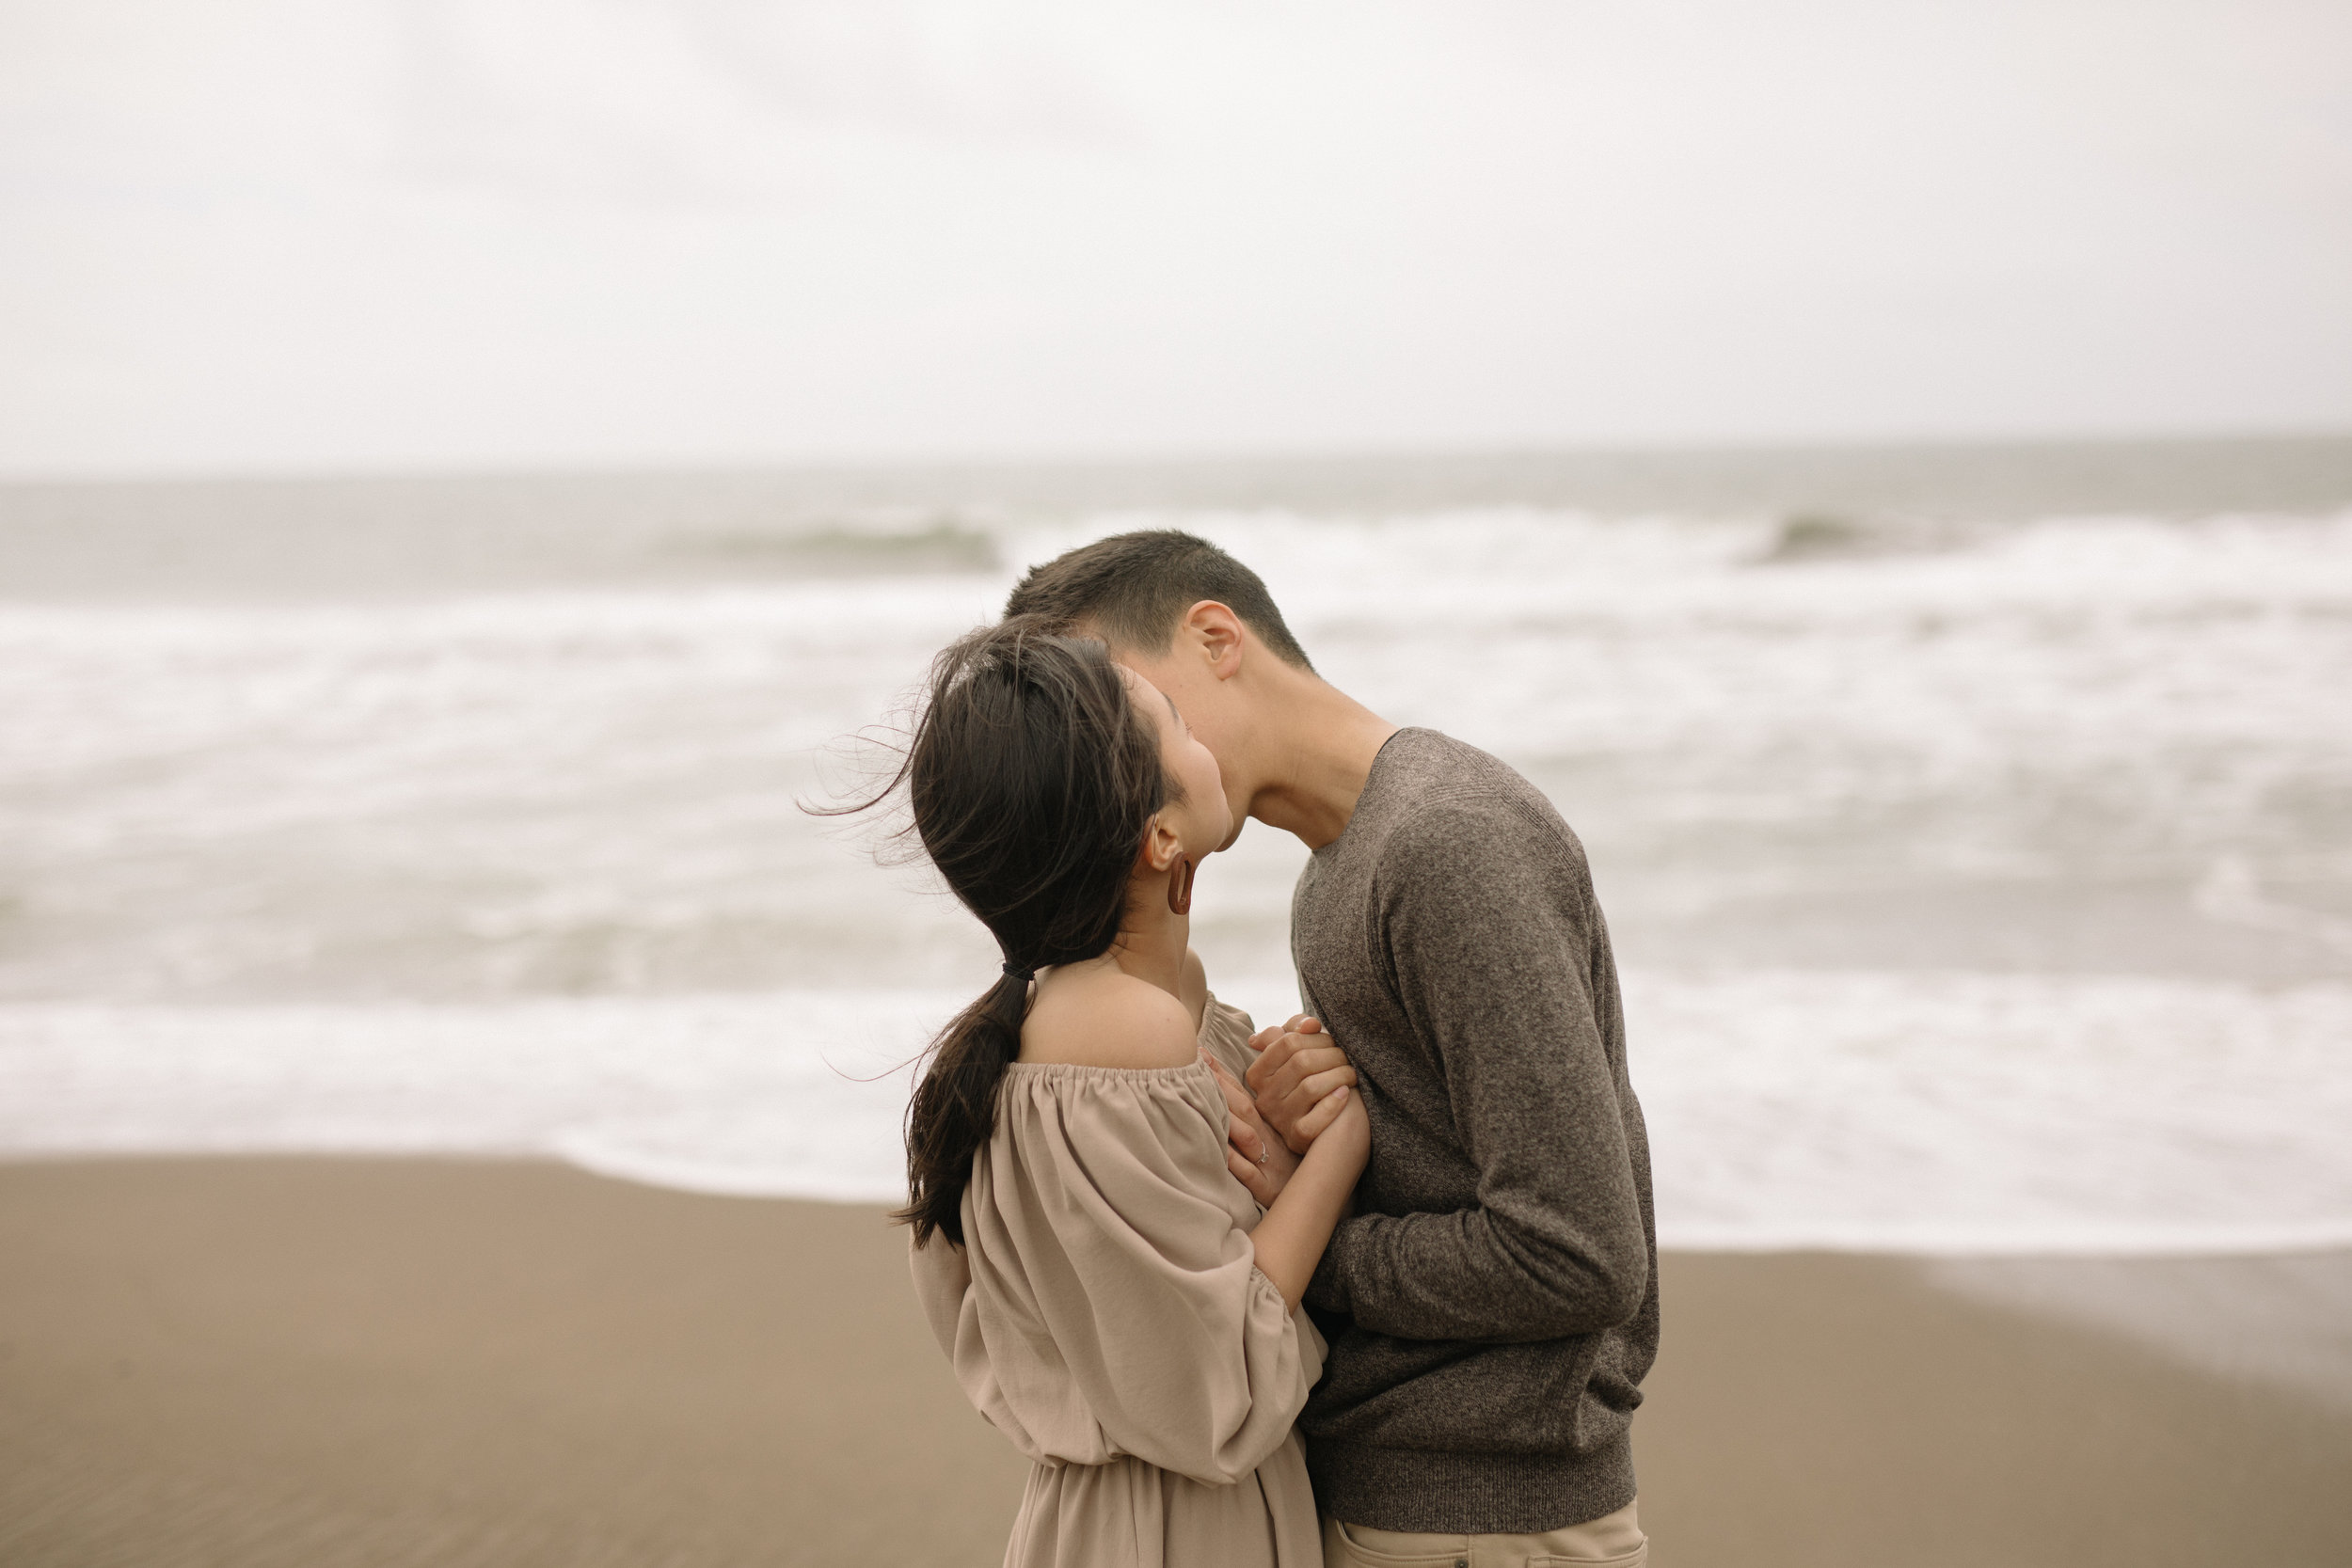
(1492, 1303)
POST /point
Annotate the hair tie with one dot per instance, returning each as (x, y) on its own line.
(1016, 971)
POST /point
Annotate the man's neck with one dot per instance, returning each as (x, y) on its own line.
(1315, 770)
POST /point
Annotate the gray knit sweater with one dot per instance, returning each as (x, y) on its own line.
(1492, 1305)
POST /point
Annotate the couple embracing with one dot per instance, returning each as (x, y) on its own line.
(1121, 1197)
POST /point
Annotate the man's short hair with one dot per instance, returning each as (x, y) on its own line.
(1134, 587)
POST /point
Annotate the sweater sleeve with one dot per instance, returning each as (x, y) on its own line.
(1488, 934)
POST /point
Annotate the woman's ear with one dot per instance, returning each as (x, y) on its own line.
(1161, 847)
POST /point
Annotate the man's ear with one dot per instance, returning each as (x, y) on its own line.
(1218, 633)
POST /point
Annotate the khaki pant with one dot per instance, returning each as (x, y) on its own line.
(1611, 1541)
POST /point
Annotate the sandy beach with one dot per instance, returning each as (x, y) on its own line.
(326, 1362)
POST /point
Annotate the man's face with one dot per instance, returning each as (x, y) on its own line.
(1211, 706)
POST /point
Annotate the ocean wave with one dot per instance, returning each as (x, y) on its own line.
(571, 790)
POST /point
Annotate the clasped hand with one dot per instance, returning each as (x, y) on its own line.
(1291, 1097)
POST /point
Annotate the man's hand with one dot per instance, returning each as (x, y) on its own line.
(1260, 1161)
(1296, 1070)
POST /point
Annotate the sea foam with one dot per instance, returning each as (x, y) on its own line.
(1923, 1113)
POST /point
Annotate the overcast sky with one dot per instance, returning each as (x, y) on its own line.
(307, 234)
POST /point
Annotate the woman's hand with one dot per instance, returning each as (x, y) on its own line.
(1260, 1161)
(1294, 1077)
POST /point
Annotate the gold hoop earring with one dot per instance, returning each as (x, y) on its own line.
(1180, 886)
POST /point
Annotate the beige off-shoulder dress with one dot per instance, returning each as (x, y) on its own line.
(1107, 1315)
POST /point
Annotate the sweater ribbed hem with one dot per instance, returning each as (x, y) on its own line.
(1469, 1494)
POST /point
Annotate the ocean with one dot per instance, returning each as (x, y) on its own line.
(1975, 825)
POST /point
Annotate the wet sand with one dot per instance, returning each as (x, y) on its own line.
(330, 1362)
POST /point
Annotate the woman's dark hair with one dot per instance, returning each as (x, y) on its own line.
(1031, 779)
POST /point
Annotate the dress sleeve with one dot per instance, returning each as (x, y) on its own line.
(1114, 1304)
(1225, 1033)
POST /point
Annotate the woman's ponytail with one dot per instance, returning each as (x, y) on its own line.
(953, 1113)
(1030, 780)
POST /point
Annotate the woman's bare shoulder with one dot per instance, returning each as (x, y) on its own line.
(1195, 984)
(1107, 1019)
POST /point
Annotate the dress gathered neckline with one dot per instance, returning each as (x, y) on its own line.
(1090, 1070)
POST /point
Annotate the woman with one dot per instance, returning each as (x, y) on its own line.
(1113, 1299)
